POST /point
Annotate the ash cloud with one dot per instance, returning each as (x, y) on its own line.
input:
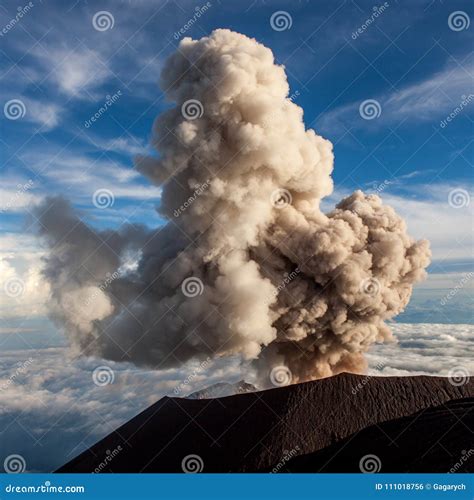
(282, 282)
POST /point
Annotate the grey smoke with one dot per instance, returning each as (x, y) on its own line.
(282, 282)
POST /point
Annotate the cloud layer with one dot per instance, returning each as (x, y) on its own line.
(51, 409)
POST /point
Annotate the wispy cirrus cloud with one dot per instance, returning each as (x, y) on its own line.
(16, 194)
(80, 175)
(44, 113)
(126, 144)
(428, 99)
(76, 73)
(47, 115)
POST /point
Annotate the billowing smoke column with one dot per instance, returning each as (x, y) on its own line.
(247, 265)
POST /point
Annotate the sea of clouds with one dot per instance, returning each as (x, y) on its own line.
(51, 409)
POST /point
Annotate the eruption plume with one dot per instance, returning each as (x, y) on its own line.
(247, 265)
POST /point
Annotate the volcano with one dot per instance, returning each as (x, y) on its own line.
(344, 423)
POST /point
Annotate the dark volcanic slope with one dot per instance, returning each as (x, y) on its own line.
(251, 432)
(437, 439)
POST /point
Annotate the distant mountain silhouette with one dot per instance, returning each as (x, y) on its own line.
(223, 389)
(409, 423)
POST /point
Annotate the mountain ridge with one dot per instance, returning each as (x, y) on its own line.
(252, 431)
(223, 389)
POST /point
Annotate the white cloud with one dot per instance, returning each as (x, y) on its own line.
(76, 72)
(429, 99)
(45, 114)
(23, 290)
(448, 229)
(446, 281)
(83, 171)
(51, 410)
(21, 245)
(425, 349)
(79, 176)
(127, 145)
(16, 194)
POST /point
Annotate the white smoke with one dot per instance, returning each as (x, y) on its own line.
(278, 282)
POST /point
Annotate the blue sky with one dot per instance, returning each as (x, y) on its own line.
(408, 59)
(414, 59)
